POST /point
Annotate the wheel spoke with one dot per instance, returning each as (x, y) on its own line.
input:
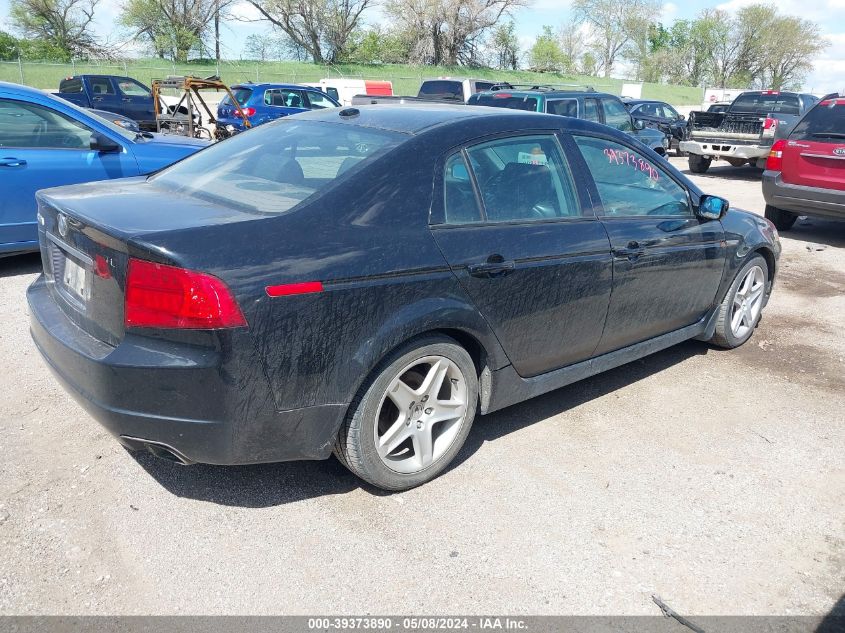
(424, 447)
(394, 436)
(401, 395)
(434, 379)
(448, 410)
(736, 320)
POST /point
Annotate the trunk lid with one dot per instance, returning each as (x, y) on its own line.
(814, 155)
(89, 232)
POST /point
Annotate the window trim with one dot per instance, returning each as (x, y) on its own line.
(581, 194)
(598, 204)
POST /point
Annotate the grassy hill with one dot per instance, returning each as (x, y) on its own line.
(406, 79)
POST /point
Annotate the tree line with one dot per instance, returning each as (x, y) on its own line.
(756, 46)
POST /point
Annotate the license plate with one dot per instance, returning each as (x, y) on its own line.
(75, 279)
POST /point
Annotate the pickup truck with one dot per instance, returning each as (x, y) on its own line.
(443, 89)
(744, 133)
(47, 142)
(122, 95)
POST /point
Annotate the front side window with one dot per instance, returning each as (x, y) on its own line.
(318, 101)
(274, 170)
(132, 88)
(523, 178)
(563, 107)
(629, 183)
(27, 125)
(615, 115)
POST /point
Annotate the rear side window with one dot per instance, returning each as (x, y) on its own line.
(101, 86)
(825, 121)
(281, 97)
(591, 110)
(459, 201)
(758, 103)
(273, 171)
(520, 178)
(71, 85)
(563, 107)
(629, 183)
(506, 100)
(443, 89)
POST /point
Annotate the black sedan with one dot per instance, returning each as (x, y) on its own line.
(364, 281)
(661, 116)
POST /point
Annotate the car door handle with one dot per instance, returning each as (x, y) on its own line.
(126, 99)
(494, 267)
(12, 162)
(631, 252)
(97, 99)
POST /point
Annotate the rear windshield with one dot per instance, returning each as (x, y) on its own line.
(504, 100)
(443, 89)
(273, 168)
(765, 104)
(826, 120)
(241, 94)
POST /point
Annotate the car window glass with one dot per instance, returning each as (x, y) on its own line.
(524, 178)
(669, 112)
(276, 170)
(563, 107)
(132, 88)
(629, 183)
(591, 110)
(825, 122)
(459, 200)
(29, 125)
(766, 103)
(281, 97)
(319, 102)
(241, 95)
(71, 85)
(505, 100)
(615, 115)
(101, 86)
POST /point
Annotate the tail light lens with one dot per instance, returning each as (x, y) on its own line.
(770, 126)
(775, 160)
(163, 296)
(248, 111)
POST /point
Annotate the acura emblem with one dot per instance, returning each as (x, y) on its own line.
(62, 225)
(839, 151)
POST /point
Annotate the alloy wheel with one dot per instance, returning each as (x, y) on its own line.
(748, 302)
(420, 414)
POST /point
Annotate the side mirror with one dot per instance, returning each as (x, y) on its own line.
(712, 207)
(681, 117)
(639, 124)
(102, 143)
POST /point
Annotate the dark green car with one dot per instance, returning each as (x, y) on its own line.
(587, 104)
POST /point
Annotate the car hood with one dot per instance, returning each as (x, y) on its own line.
(170, 140)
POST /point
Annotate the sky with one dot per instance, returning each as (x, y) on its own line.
(828, 74)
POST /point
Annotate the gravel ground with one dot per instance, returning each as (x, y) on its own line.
(712, 478)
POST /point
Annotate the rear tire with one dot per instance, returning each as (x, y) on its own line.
(783, 220)
(413, 416)
(742, 306)
(699, 164)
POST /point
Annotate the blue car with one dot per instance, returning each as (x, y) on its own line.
(267, 102)
(46, 142)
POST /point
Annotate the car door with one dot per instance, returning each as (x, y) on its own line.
(667, 263)
(136, 100)
(39, 148)
(281, 102)
(521, 240)
(103, 93)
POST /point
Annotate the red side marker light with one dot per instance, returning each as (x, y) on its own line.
(101, 267)
(302, 288)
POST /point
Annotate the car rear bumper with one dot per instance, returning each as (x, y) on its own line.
(725, 149)
(203, 405)
(801, 199)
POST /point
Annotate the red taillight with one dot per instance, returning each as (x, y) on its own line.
(248, 111)
(502, 95)
(169, 297)
(769, 123)
(775, 160)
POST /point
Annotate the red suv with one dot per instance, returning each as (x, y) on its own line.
(805, 172)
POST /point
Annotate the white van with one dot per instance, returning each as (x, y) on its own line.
(344, 89)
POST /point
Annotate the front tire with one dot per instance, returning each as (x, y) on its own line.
(783, 220)
(699, 164)
(412, 417)
(742, 306)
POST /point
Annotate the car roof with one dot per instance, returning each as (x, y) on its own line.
(18, 89)
(548, 93)
(415, 119)
(265, 85)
